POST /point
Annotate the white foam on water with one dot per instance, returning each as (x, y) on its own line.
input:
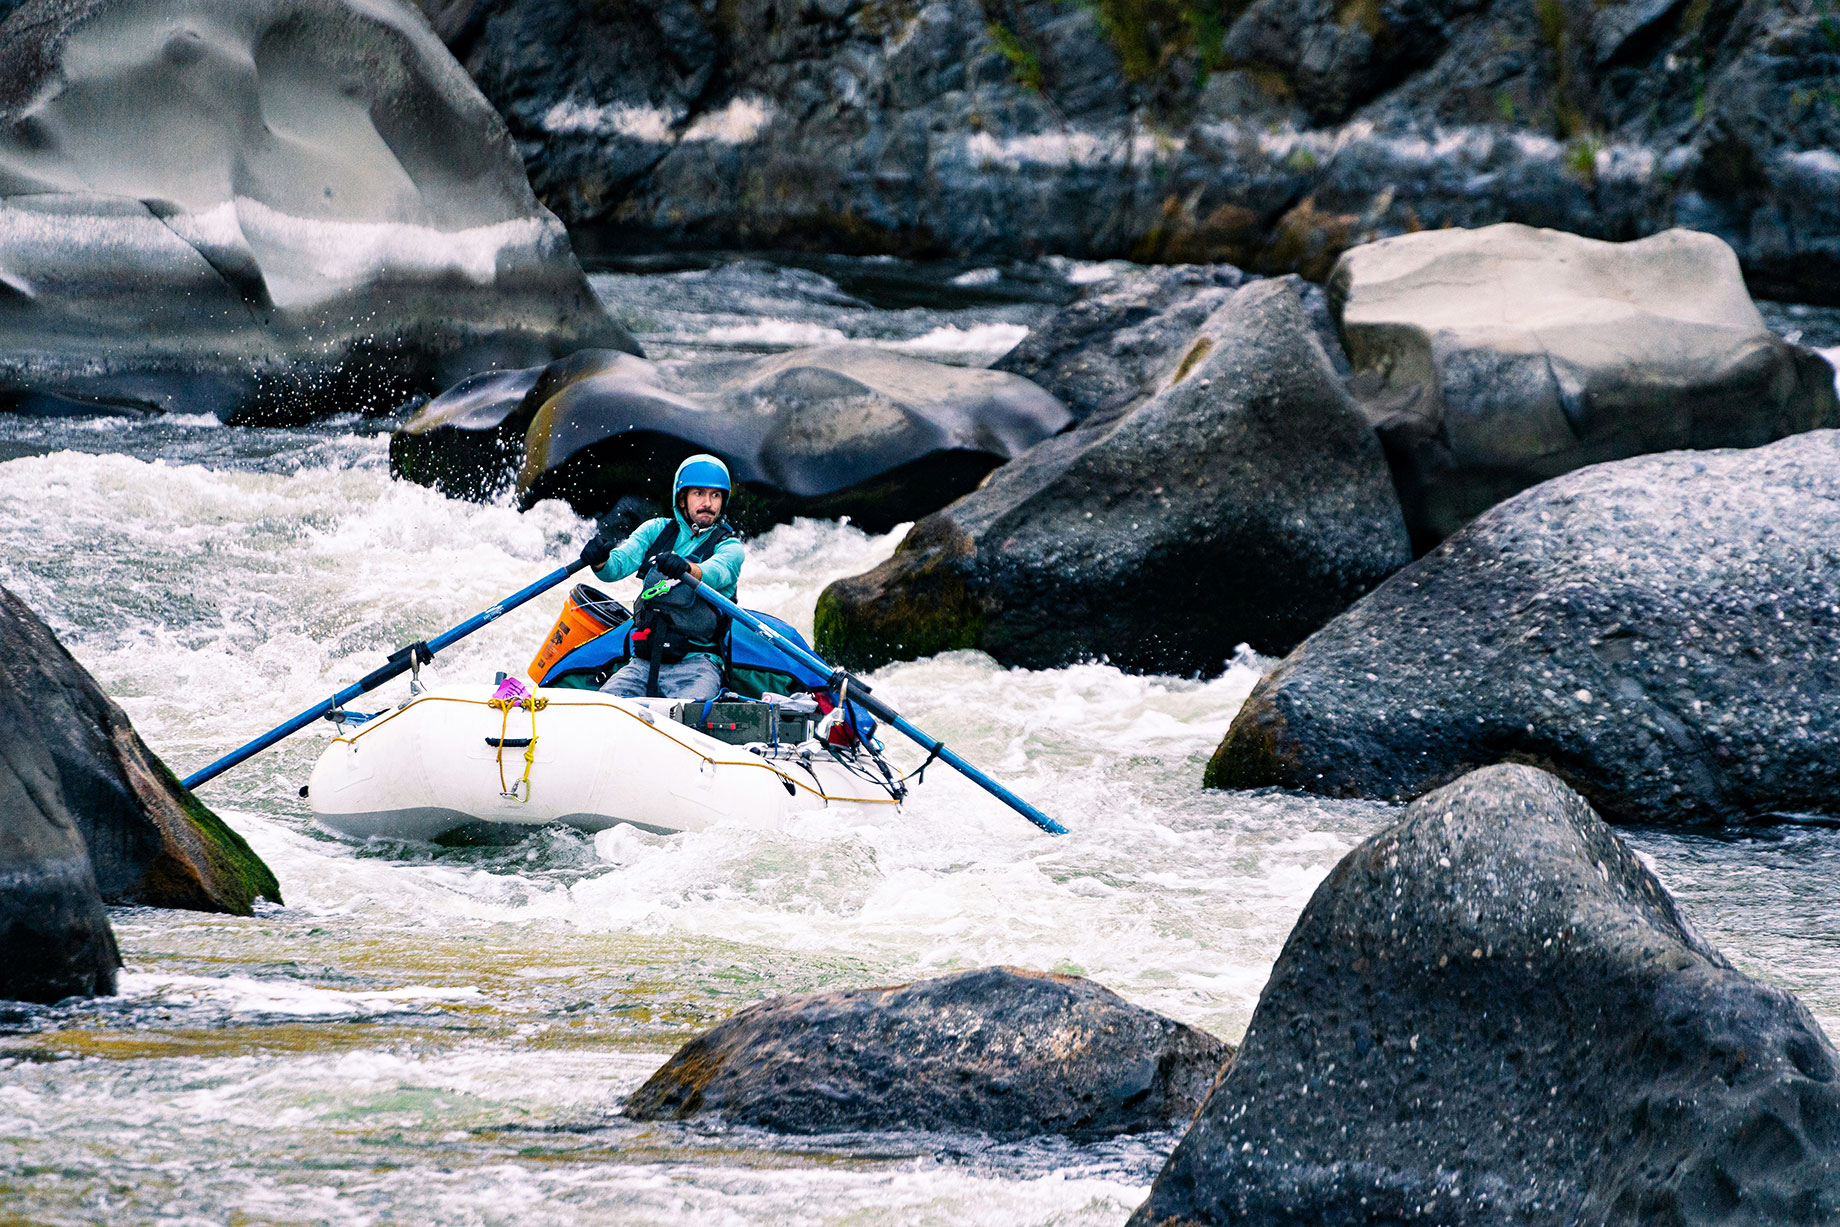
(243, 995)
(1833, 360)
(993, 340)
(978, 277)
(785, 333)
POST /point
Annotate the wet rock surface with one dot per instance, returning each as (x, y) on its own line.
(53, 927)
(1492, 1012)
(1658, 632)
(1271, 136)
(1490, 360)
(1106, 352)
(147, 840)
(827, 431)
(1245, 501)
(349, 224)
(1000, 1051)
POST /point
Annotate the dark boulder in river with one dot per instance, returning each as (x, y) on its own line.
(149, 840)
(54, 931)
(1490, 360)
(1245, 501)
(263, 208)
(999, 1051)
(831, 431)
(1492, 1013)
(1659, 632)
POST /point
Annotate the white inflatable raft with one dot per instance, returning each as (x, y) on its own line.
(454, 756)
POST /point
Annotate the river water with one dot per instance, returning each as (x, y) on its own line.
(435, 1034)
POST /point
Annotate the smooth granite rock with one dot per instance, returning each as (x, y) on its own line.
(1659, 632)
(148, 840)
(265, 209)
(1490, 360)
(1492, 1013)
(829, 431)
(1000, 1051)
(1245, 501)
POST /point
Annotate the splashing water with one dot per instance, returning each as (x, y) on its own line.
(446, 1033)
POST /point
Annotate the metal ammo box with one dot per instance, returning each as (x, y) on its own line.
(739, 723)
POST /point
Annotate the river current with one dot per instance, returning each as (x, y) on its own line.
(446, 1034)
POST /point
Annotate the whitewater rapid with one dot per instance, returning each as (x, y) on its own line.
(445, 1034)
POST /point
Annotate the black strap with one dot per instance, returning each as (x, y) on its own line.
(918, 774)
(651, 672)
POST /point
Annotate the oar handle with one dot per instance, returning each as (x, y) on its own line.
(400, 662)
(859, 693)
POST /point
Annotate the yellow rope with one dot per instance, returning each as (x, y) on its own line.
(533, 705)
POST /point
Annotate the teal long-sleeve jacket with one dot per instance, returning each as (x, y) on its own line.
(721, 570)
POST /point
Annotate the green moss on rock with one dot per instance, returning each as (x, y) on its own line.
(232, 873)
(919, 603)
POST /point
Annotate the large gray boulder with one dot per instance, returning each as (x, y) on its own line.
(263, 208)
(1658, 632)
(1490, 360)
(1000, 1051)
(146, 839)
(1245, 501)
(1492, 1013)
(829, 431)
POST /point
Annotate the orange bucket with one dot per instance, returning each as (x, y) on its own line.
(588, 613)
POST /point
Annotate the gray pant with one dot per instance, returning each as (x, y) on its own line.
(693, 677)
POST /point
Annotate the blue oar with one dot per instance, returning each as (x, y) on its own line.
(400, 662)
(859, 693)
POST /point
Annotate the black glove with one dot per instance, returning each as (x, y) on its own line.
(671, 566)
(599, 546)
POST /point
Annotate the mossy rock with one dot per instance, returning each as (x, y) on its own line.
(919, 603)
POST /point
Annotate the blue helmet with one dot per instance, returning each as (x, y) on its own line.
(701, 470)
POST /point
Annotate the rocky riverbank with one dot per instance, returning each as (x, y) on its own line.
(1267, 135)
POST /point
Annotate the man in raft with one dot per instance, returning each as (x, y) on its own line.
(677, 639)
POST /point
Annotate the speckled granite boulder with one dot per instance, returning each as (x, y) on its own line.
(1000, 1051)
(1492, 1013)
(1658, 632)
